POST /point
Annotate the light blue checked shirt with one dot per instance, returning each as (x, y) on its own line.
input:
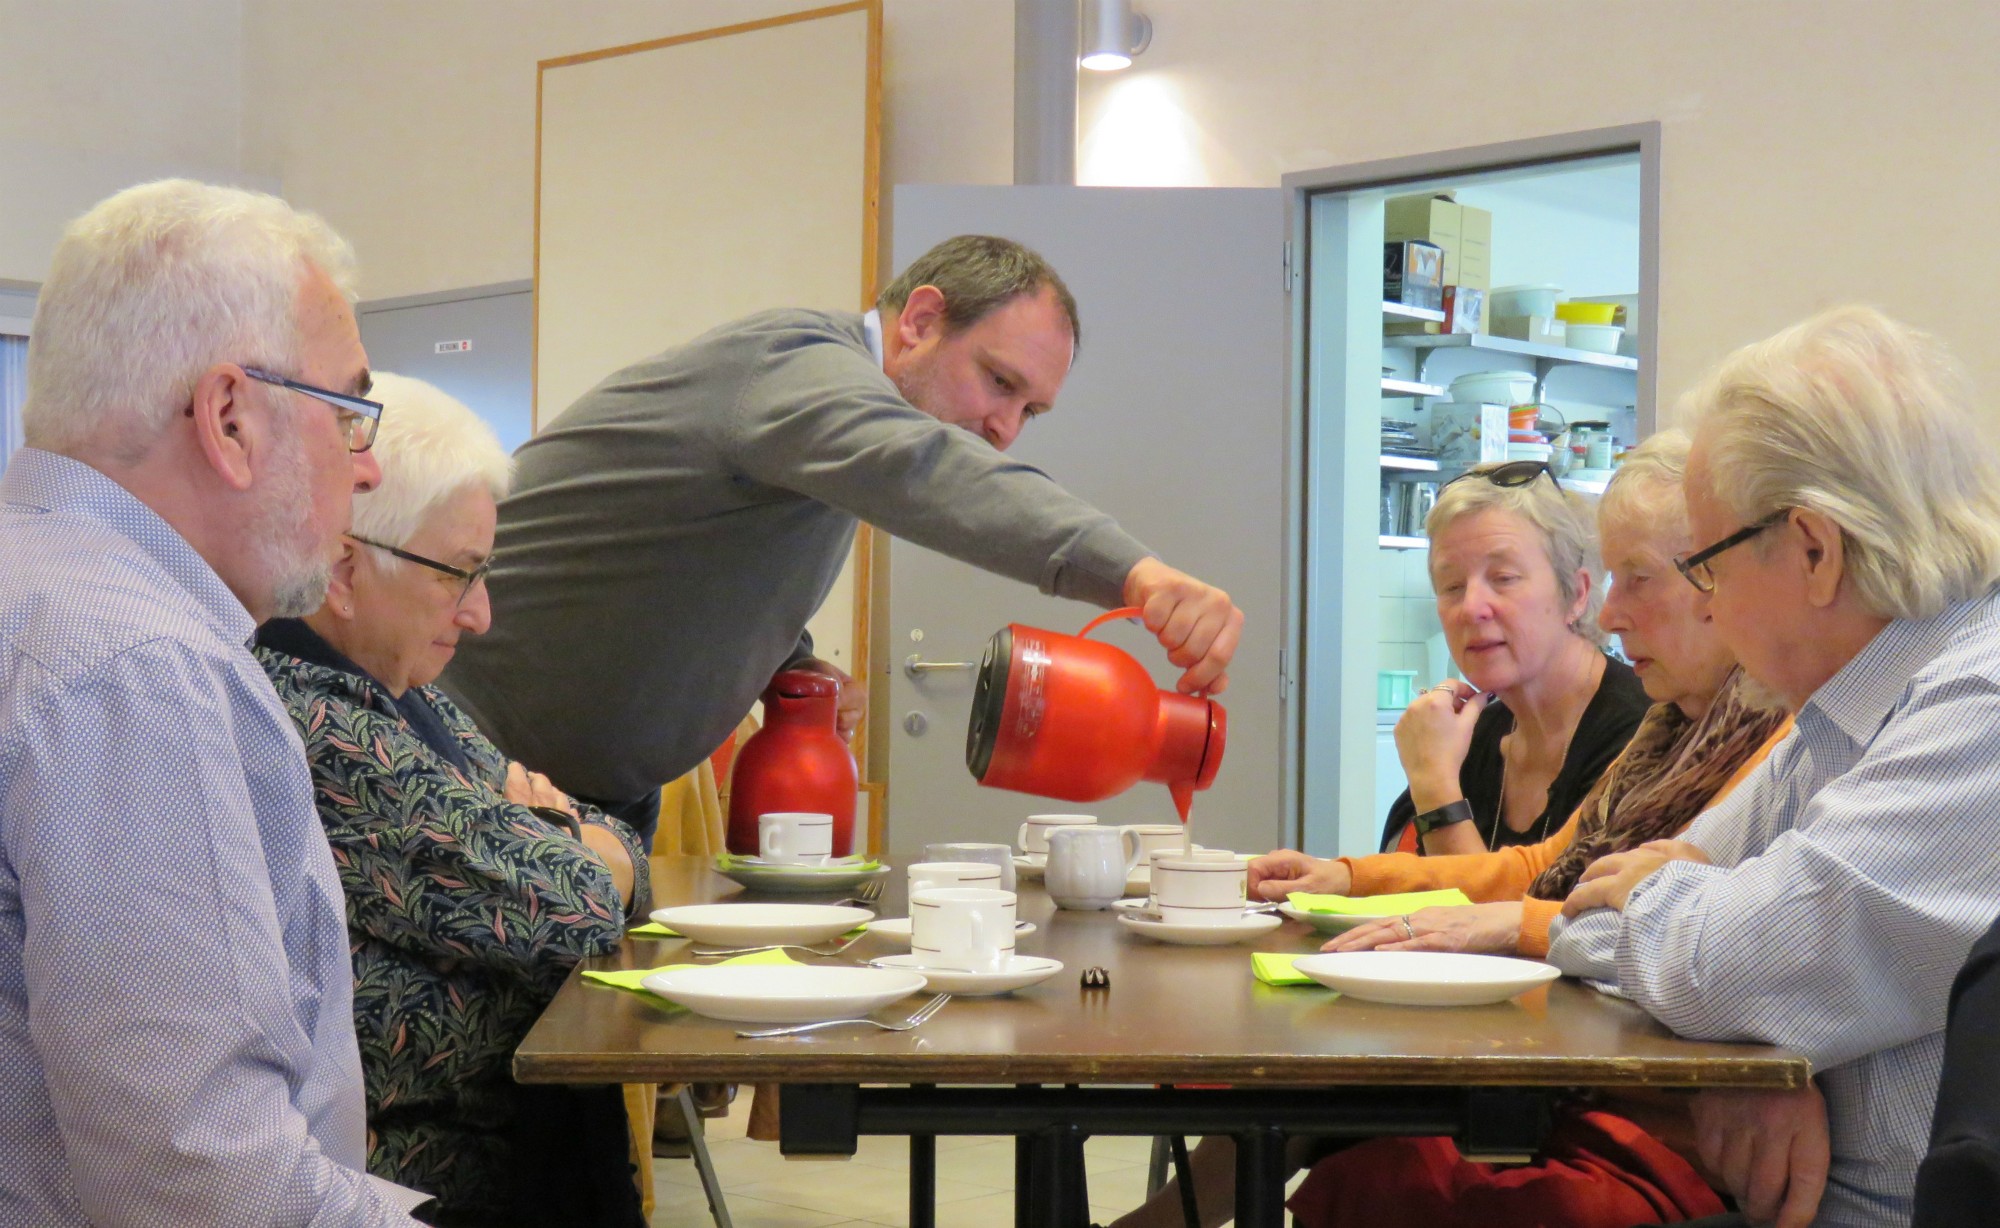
(1853, 872)
(176, 1045)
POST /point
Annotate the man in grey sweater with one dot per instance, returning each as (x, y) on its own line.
(670, 534)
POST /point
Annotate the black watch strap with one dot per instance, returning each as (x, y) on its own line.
(1446, 815)
(559, 818)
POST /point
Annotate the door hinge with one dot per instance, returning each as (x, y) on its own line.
(1291, 266)
(1284, 677)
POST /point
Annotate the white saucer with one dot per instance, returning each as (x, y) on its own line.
(1330, 922)
(897, 929)
(742, 925)
(1018, 972)
(1426, 978)
(1250, 925)
(780, 993)
(1030, 866)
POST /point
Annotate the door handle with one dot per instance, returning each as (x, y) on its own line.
(916, 667)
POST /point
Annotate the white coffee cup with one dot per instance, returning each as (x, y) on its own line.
(1001, 855)
(1205, 890)
(1157, 838)
(968, 929)
(1034, 834)
(931, 875)
(1088, 865)
(1154, 858)
(795, 838)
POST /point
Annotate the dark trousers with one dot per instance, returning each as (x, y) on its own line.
(641, 814)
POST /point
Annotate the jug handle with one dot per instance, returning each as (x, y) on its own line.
(1130, 611)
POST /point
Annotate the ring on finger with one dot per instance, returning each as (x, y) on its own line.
(1408, 929)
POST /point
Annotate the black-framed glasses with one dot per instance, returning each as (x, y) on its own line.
(1695, 566)
(1510, 474)
(359, 416)
(467, 578)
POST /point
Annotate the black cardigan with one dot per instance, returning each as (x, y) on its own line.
(1958, 1184)
(1607, 724)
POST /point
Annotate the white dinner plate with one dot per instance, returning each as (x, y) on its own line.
(783, 993)
(1329, 922)
(742, 925)
(897, 929)
(1029, 867)
(832, 863)
(796, 880)
(1018, 972)
(1249, 925)
(1426, 978)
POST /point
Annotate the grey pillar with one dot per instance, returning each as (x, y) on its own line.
(1046, 41)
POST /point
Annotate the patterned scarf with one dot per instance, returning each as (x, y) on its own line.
(1670, 770)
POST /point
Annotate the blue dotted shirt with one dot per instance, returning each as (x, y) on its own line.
(176, 1046)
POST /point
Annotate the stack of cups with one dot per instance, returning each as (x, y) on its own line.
(1209, 887)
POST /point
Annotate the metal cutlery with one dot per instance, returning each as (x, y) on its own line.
(916, 1018)
(717, 952)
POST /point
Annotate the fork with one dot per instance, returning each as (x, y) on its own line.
(917, 1017)
(779, 946)
(867, 894)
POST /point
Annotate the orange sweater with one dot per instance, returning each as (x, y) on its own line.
(1504, 874)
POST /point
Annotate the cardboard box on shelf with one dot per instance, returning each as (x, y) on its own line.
(1543, 330)
(1432, 217)
(1475, 249)
(1413, 274)
(1464, 312)
(1465, 433)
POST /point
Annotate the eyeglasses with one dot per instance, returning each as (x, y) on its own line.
(1511, 474)
(359, 417)
(468, 578)
(1695, 566)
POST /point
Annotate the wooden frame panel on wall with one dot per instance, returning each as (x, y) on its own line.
(689, 180)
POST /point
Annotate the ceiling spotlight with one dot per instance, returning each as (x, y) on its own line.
(1113, 34)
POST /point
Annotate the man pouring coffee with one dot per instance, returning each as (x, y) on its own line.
(670, 534)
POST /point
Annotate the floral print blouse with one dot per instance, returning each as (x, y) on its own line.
(465, 913)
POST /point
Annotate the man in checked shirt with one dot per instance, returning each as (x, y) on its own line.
(1852, 516)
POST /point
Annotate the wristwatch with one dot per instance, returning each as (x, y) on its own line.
(1446, 815)
(567, 821)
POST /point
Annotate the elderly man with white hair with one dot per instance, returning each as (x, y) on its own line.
(1851, 515)
(176, 1044)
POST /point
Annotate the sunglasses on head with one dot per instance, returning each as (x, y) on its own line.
(1510, 474)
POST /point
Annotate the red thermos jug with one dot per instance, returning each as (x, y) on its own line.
(1068, 717)
(797, 761)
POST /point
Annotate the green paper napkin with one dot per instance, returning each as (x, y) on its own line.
(633, 978)
(1377, 905)
(653, 929)
(729, 861)
(1275, 968)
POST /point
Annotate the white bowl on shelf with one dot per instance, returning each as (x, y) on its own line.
(1596, 338)
(1530, 451)
(1526, 300)
(1494, 388)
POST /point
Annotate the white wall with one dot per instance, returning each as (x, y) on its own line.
(1813, 151)
(96, 95)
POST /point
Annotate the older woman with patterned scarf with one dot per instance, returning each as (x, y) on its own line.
(1708, 728)
(473, 886)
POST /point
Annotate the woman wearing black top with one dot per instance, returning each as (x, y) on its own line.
(1504, 757)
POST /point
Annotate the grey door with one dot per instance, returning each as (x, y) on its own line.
(475, 344)
(1174, 422)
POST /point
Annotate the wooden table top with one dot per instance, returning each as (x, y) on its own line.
(1171, 1014)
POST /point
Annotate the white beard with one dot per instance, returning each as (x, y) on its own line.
(289, 548)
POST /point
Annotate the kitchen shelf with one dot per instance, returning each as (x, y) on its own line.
(1410, 388)
(1403, 543)
(1415, 464)
(1403, 311)
(1508, 345)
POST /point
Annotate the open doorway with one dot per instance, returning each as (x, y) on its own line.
(1440, 294)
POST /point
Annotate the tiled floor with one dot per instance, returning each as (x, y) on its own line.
(975, 1187)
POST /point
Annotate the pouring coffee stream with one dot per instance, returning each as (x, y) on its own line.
(1068, 717)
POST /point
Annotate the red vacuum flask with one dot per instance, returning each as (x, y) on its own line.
(1068, 717)
(797, 761)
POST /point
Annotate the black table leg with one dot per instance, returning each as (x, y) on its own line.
(1260, 1178)
(923, 1181)
(1024, 1181)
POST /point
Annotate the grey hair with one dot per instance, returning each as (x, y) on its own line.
(1648, 491)
(1868, 422)
(979, 274)
(152, 287)
(430, 447)
(1562, 520)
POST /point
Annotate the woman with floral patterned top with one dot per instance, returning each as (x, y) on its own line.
(473, 885)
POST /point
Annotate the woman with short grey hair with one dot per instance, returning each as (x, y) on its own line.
(473, 886)
(1502, 757)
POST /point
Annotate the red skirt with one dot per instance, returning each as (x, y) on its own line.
(1597, 1170)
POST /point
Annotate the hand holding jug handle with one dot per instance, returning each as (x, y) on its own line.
(1130, 611)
